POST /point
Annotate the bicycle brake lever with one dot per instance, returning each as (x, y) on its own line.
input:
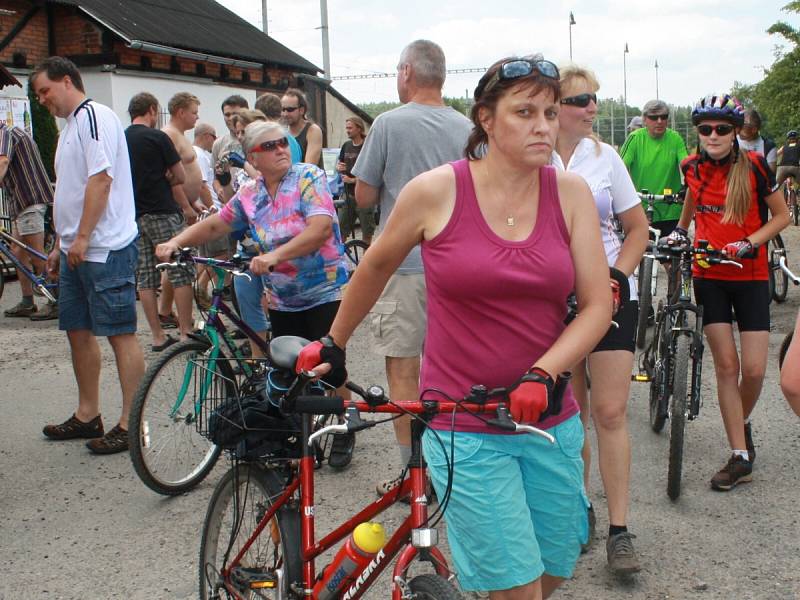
(166, 265)
(338, 428)
(241, 274)
(536, 430)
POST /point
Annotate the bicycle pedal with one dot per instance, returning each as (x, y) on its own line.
(641, 377)
(254, 579)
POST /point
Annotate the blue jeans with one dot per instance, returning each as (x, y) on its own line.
(99, 297)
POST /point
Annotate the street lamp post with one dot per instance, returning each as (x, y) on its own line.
(656, 79)
(264, 16)
(571, 23)
(625, 83)
(326, 47)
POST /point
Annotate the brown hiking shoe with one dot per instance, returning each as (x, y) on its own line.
(738, 470)
(47, 313)
(622, 557)
(748, 440)
(114, 441)
(21, 310)
(74, 428)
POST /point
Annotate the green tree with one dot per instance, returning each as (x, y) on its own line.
(45, 133)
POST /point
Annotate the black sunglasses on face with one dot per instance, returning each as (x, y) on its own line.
(521, 67)
(581, 100)
(657, 117)
(723, 129)
(271, 146)
(289, 109)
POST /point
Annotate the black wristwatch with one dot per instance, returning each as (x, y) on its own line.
(328, 342)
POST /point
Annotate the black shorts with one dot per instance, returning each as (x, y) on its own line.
(720, 299)
(624, 336)
(312, 323)
(665, 227)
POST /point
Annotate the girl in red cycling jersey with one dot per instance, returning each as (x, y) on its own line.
(731, 194)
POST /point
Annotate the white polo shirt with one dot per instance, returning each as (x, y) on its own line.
(93, 141)
(612, 188)
(204, 160)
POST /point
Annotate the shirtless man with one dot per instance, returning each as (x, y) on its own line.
(307, 133)
(183, 114)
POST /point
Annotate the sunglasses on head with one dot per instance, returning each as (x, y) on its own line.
(657, 117)
(581, 100)
(289, 109)
(521, 67)
(723, 129)
(271, 146)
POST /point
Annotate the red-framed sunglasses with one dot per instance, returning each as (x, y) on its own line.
(271, 146)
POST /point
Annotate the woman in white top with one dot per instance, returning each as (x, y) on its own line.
(611, 362)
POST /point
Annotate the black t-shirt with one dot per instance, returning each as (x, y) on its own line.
(152, 154)
(348, 155)
(790, 154)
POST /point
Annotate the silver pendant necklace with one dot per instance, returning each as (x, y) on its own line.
(510, 220)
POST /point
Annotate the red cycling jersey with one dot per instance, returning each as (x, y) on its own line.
(707, 180)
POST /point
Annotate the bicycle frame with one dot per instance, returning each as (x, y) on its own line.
(39, 282)
(215, 330)
(412, 538)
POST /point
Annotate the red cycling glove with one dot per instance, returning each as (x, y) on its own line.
(531, 396)
(741, 249)
(324, 351)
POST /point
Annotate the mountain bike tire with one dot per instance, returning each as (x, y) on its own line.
(158, 439)
(645, 300)
(659, 389)
(784, 348)
(433, 587)
(240, 500)
(677, 417)
(354, 250)
(779, 281)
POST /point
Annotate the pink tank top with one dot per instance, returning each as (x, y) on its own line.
(494, 306)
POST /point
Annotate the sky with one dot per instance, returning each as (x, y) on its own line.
(701, 46)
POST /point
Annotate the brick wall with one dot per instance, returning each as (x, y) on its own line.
(32, 40)
(74, 33)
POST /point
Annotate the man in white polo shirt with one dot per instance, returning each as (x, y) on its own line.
(96, 255)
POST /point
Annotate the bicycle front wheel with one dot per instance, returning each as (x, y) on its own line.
(779, 280)
(354, 250)
(168, 453)
(659, 390)
(241, 499)
(433, 587)
(677, 416)
(645, 300)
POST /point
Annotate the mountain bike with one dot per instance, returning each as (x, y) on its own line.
(647, 276)
(168, 453)
(40, 283)
(788, 339)
(354, 248)
(778, 280)
(677, 342)
(258, 537)
(790, 196)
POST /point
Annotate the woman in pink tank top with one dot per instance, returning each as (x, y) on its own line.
(504, 240)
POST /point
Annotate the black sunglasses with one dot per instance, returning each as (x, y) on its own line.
(657, 117)
(581, 100)
(289, 109)
(521, 67)
(722, 129)
(271, 146)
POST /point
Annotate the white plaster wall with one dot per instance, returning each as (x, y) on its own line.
(337, 112)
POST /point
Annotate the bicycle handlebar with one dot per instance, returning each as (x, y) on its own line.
(794, 278)
(666, 198)
(713, 256)
(236, 266)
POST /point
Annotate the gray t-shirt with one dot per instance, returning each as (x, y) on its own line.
(403, 143)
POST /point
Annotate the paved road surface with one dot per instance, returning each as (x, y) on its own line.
(76, 526)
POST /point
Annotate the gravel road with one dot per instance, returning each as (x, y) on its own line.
(77, 526)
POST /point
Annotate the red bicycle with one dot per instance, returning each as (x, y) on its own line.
(259, 538)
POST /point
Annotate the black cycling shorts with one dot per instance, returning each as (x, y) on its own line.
(311, 324)
(624, 336)
(720, 299)
(665, 227)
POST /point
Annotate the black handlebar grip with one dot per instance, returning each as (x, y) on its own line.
(319, 405)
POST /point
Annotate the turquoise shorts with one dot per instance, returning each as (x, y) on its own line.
(517, 507)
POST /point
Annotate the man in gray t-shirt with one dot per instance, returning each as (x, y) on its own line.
(402, 143)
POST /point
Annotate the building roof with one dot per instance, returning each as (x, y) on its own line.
(198, 25)
(6, 78)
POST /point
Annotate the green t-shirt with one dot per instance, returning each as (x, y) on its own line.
(654, 165)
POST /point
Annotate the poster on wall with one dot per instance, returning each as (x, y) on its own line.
(16, 112)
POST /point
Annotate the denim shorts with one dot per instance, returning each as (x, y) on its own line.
(31, 220)
(248, 295)
(100, 297)
(517, 507)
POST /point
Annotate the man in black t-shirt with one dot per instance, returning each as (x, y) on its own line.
(356, 132)
(156, 167)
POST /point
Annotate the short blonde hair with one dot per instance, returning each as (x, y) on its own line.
(572, 72)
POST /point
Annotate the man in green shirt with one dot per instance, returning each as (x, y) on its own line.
(653, 157)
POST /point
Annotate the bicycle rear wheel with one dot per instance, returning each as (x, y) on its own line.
(355, 249)
(241, 499)
(167, 452)
(677, 417)
(645, 300)
(779, 281)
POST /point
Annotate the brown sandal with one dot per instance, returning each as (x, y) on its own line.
(114, 441)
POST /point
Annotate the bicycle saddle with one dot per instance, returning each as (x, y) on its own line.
(284, 350)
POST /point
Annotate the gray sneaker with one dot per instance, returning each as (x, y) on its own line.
(21, 310)
(622, 557)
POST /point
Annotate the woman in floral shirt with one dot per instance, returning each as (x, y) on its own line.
(290, 215)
